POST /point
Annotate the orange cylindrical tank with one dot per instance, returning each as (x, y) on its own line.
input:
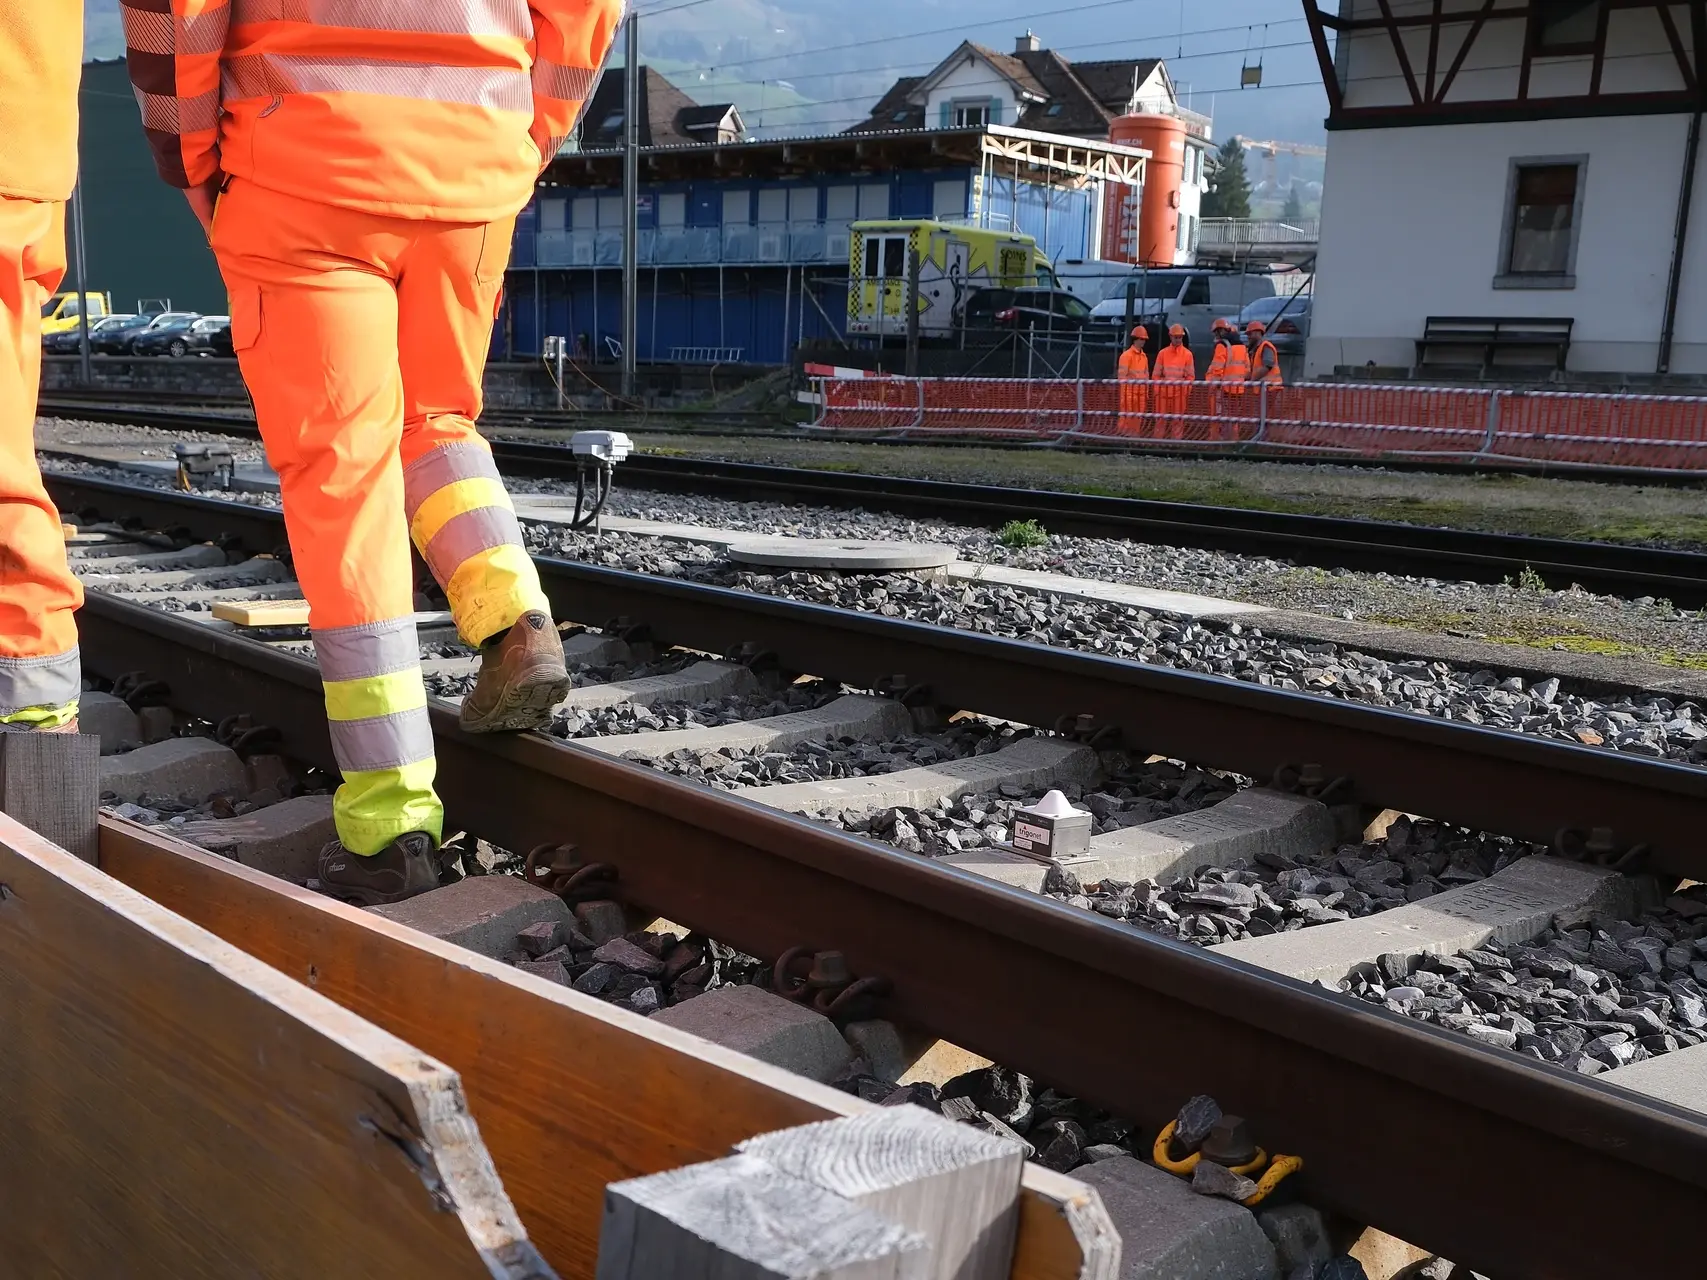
(1158, 213)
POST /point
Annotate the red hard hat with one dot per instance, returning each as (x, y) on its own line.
(1256, 326)
(1141, 333)
(1221, 322)
(1176, 331)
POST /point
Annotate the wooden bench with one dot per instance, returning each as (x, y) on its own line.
(1488, 337)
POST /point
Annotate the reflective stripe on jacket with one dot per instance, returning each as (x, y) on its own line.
(1217, 363)
(1175, 364)
(438, 109)
(1238, 367)
(41, 59)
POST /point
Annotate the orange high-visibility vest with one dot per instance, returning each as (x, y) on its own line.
(1175, 364)
(1238, 368)
(443, 111)
(1265, 364)
(41, 59)
(1133, 372)
(1217, 363)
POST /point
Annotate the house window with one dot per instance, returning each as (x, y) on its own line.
(969, 115)
(1564, 29)
(1543, 216)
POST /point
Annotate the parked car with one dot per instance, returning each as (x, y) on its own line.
(68, 342)
(112, 337)
(1184, 296)
(988, 314)
(1287, 319)
(211, 336)
(167, 335)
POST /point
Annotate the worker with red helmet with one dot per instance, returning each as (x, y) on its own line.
(1265, 360)
(1133, 373)
(1237, 370)
(1176, 370)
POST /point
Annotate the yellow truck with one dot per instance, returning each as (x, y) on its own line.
(60, 311)
(953, 260)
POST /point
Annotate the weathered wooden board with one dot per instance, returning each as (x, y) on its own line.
(570, 1093)
(170, 1106)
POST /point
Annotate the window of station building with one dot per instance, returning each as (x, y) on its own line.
(972, 114)
(1564, 28)
(1542, 220)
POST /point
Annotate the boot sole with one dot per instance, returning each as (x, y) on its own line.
(525, 705)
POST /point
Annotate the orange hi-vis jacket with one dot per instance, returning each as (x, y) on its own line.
(1217, 364)
(443, 110)
(1265, 364)
(1175, 364)
(1237, 369)
(41, 58)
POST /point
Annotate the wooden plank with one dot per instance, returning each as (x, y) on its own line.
(50, 782)
(175, 1108)
(571, 1093)
(742, 1219)
(262, 613)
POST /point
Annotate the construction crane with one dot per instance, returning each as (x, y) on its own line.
(1270, 148)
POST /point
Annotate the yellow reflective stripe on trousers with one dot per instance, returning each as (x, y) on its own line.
(375, 695)
(443, 505)
(489, 591)
(43, 717)
(375, 807)
(49, 683)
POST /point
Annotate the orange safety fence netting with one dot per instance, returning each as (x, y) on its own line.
(1321, 419)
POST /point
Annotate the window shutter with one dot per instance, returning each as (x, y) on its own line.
(995, 110)
(947, 115)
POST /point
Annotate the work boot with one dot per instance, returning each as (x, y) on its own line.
(522, 677)
(409, 865)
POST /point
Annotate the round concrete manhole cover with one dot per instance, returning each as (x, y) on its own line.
(848, 555)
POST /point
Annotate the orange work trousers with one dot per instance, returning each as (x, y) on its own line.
(1170, 400)
(363, 339)
(1134, 401)
(39, 674)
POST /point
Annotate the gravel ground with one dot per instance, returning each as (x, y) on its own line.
(441, 685)
(1653, 726)
(1513, 613)
(1588, 999)
(630, 717)
(1279, 894)
(134, 442)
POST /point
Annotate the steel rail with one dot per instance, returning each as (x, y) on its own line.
(1326, 541)
(1391, 1116)
(1486, 779)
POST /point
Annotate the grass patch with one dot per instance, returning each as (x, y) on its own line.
(1022, 533)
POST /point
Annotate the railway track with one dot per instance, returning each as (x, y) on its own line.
(1324, 541)
(1017, 976)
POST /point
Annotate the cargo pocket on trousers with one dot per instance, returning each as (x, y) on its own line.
(245, 317)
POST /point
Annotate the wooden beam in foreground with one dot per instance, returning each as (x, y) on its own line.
(570, 1093)
(172, 1107)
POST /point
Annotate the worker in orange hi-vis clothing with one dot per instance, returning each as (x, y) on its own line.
(1265, 360)
(1221, 330)
(1133, 372)
(41, 59)
(1175, 371)
(367, 160)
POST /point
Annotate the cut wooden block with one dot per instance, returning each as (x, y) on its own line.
(742, 1219)
(956, 1186)
(262, 613)
(606, 1095)
(50, 782)
(176, 1108)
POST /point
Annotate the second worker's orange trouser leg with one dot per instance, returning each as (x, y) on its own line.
(460, 515)
(39, 674)
(314, 323)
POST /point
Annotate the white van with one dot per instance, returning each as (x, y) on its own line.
(1180, 295)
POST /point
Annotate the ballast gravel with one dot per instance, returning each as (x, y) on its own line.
(1587, 999)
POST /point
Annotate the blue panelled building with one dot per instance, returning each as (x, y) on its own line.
(744, 244)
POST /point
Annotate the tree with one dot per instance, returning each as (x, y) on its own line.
(1229, 194)
(1294, 210)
